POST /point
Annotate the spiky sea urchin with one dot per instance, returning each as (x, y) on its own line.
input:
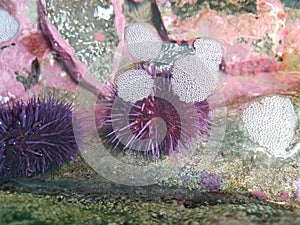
(35, 137)
(156, 125)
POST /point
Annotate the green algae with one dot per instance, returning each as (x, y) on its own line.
(29, 209)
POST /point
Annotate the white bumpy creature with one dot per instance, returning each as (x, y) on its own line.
(271, 122)
(196, 73)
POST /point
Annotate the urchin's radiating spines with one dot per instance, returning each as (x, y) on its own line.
(192, 80)
(271, 122)
(8, 26)
(134, 118)
(134, 85)
(142, 42)
(156, 125)
(35, 137)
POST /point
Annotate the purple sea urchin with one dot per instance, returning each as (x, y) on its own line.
(35, 137)
(140, 111)
(156, 125)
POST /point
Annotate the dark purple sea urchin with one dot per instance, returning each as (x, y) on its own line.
(156, 125)
(35, 137)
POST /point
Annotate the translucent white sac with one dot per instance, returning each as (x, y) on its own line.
(271, 122)
(192, 80)
(8, 26)
(210, 51)
(134, 85)
(142, 42)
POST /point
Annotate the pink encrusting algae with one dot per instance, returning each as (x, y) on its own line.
(37, 41)
(253, 66)
(260, 195)
(271, 25)
(18, 55)
(261, 51)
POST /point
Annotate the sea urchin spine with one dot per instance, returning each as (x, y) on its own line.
(157, 125)
(35, 137)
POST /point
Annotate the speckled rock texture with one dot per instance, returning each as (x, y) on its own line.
(249, 186)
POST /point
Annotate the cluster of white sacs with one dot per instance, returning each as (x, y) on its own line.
(271, 122)
(195, 76)
(8, 26)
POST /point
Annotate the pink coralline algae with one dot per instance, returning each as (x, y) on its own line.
(253, 66)
(77, 71)
(291, 38)
(37, 42)
(258, 48)
(260, 195)
(283, 196)
(18, 55)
